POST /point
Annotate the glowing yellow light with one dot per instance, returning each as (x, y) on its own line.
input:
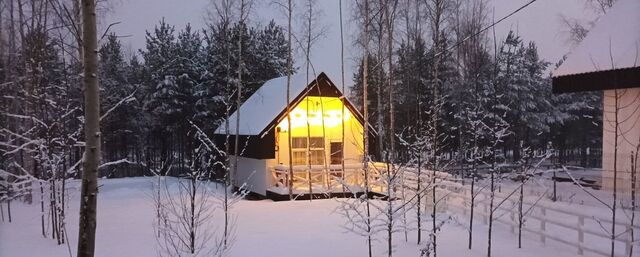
(321, 109)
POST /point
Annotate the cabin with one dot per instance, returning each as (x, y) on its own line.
(608, 60)
(326, 129)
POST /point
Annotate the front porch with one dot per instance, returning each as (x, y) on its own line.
(325, 181)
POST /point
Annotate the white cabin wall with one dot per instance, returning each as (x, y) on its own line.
(253, 172)
(629, 133)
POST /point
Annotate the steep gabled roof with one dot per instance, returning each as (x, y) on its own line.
(609, 57)
(268, 105)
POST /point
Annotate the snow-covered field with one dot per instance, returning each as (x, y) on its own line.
(264, 228)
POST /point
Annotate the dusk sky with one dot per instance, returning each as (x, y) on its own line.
(540, 22)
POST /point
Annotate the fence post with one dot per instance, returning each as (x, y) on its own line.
(543, 225)
(580, 235)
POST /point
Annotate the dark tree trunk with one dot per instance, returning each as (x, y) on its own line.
(471, 211)
(89, 191)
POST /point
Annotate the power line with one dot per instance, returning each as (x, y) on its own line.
(484, 29)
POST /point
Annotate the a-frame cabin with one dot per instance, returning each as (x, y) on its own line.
(317, 139)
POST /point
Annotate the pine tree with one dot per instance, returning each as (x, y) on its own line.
(160, 60)
(412, 74)
(190, 71)
(264, 54)
(520, 77)
(121, 131)
(271, 52)
(217, 88)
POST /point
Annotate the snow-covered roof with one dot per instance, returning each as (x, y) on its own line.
(266, 104)
(612, 44)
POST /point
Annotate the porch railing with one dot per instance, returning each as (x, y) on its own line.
(328, 178)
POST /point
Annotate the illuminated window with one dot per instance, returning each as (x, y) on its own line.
(316, 142)
(315, 152)
(299, 143)
(317, 157)
(299, 157)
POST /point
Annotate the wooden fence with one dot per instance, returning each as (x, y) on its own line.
(580, 224)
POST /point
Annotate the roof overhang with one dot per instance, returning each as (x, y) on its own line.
(599, 80)
(608, 57)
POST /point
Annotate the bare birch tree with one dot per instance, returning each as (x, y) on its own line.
(289, 70)
(343, 100)
(89, 191)
(497, 129)
(186, 210)
(436, 11)
(359, 212)
(635, 157)
(365, 164)
(312, 30)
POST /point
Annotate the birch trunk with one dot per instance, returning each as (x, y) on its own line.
(89, 192)
(236, 145)
(289, 65)
(308, 37)
(342, 98)
(493, 150)
(434, 121)
(390, 16)
(380, 69)
(227, 178)
(365, 159)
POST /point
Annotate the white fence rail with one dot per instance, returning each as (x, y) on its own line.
(578, 225)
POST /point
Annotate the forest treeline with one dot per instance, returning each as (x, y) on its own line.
(517, 77)
(479, 76)
(151, 96)
(185, 75)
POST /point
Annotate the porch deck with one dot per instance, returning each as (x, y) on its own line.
(325, 181)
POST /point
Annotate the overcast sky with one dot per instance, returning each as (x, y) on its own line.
(540, 22)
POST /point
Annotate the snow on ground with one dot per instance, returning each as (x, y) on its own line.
(568, 193)
(563, 215)
(264, 228)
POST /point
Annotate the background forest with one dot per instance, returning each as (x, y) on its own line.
(180, 76)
